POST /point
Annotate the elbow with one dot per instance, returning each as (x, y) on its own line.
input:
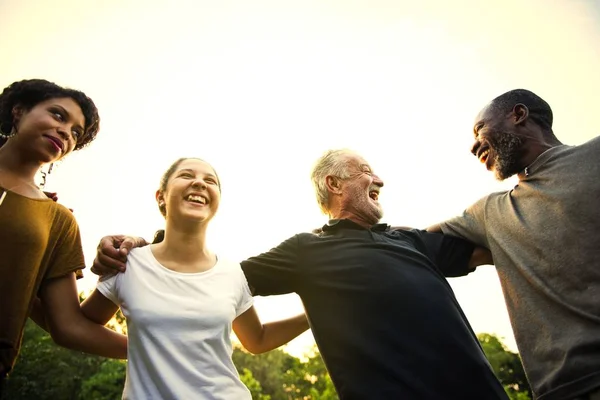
(62, 338)
(254, 347)
(65, 337)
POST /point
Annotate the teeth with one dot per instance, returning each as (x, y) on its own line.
(196, 199)
(483, 156)
(374, 195)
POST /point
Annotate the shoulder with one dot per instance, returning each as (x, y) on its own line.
(592, 144)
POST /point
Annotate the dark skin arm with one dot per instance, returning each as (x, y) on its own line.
(112, 251)
(70, 328)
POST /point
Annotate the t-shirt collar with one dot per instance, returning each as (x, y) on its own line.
(335, 224)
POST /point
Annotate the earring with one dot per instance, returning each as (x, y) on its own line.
(6, 136)
(45, 175)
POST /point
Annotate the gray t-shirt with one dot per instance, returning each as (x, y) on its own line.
(545, 239)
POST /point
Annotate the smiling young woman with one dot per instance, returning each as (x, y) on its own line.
(40, 245)
(182, 301)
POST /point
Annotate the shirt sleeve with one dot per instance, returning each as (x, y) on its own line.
(470, 225)
(67, 256)
(246, 300)
(450, 254)
(109, 287)
(276, 271)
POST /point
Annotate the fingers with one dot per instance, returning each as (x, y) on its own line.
(130, 242)
(109, 257)
(51, 195)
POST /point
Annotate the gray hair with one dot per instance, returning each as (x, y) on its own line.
(333, 162)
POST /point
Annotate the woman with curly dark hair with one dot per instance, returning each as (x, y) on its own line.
(40, 246)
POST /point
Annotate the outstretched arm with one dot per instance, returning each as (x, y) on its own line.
(480, 256)
(258, 338)
(70, 328)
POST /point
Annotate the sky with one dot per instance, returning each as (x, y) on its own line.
(261, 89)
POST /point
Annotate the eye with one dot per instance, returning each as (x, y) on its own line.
(58, 116)
(186, 175)
(368, 172)
(211, 181)
(76, 134)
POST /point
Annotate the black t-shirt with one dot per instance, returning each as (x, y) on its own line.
(385, 319)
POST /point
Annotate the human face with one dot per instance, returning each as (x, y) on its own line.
(192, 192)
(50, 129)
(497, 144)
(360, 192)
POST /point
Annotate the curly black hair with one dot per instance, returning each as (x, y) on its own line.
(28, 93)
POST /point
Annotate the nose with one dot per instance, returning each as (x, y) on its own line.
(475, 147)
(199, 183)
(377, 181)
(63, 131)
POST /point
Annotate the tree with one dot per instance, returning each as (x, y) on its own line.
(47, 371)
(507, 366)
(282, 376)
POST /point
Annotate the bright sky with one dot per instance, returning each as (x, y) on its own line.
(260, 89)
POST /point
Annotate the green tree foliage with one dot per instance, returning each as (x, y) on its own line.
(46, 371)
(507, 366)
(285, 377)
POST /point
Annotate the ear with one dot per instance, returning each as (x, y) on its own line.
(520, 113)
(333, 183)
(159, 197)
(17, 113)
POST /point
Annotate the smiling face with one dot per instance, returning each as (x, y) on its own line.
(497, 144)
(192, 191)
(360, 192)
(49, 130)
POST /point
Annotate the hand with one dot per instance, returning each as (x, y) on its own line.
(112, 251)
(52, 195)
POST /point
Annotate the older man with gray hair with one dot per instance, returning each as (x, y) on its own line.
(385, 319)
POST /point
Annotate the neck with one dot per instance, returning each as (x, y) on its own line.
(536, 147)
(184, 244)
(12, 162)
(357, 219)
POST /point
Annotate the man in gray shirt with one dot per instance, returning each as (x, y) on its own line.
(544, 236)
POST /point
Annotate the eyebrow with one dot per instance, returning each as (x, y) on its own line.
(194, 172)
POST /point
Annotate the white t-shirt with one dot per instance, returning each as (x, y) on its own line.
(179, 327)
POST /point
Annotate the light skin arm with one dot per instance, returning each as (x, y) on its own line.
(98, 308)
(480, 256)
(258, 338)
(69, 326)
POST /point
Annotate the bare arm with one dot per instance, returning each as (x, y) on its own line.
(258, 338)
(68, 325)
(98, 308)
(37, 314)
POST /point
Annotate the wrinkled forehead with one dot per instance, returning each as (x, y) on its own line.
(356, 161)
